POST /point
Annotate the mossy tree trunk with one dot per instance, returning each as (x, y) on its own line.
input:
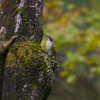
(29, 73)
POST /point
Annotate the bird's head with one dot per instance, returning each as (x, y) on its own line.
(50, 38)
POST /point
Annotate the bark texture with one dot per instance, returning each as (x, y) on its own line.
(29, 73)
(4, 48)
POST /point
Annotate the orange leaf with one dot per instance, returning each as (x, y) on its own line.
(92, 34)
(76, 13)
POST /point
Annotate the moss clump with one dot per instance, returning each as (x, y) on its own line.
(23, 50)
(23, 38)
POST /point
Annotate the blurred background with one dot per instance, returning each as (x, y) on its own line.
(75, 26)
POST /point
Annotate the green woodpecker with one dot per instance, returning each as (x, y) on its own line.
(50, 47)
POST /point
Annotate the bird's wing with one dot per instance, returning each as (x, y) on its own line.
(54, 50)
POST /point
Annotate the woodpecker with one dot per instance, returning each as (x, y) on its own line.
(50, 48)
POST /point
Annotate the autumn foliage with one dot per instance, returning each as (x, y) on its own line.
(76, 32)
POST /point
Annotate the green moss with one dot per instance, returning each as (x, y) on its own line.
(16, 1)
(38, 21)
(28, 34)
(23, 38)
(17, 10)
(34, 24)
(24, 50)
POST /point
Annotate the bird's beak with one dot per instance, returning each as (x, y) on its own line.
(45, 35)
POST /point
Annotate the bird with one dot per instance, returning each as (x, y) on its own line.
(50, 47)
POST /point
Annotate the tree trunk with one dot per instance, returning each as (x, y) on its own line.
(29, 73)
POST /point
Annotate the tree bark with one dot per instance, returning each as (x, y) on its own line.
(4, 48)
(29, 72)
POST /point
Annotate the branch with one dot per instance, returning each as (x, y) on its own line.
(10, 42)
(5, 45)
